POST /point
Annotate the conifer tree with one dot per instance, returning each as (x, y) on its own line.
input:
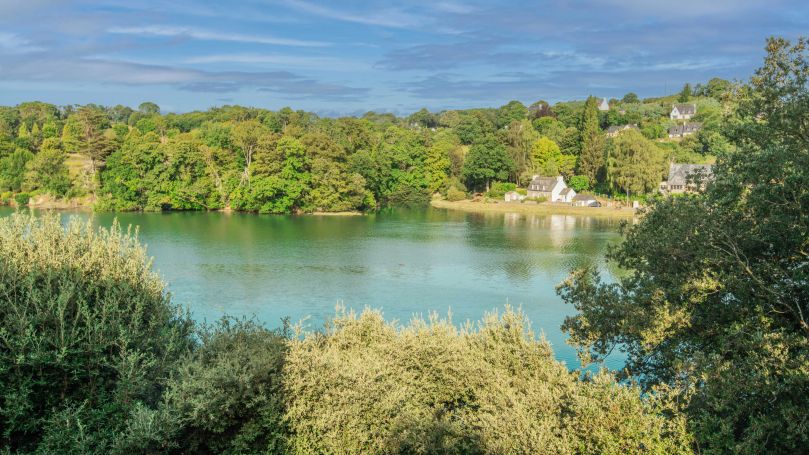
(591, 160)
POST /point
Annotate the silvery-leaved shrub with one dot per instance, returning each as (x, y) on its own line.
(87, 333)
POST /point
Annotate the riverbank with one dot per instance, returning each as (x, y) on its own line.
(534, 209)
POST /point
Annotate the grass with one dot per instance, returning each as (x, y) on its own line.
(539, 209)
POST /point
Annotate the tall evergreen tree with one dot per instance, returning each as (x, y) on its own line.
(685, 93)
(591, 160)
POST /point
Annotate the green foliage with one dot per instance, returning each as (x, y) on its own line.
(630, 98)
(47, 171)
(367, 386)
(228, 157)
(685, 94)
(22, 199)
(591, 161)
(12, 169)
(635, 163)
(148, 108)
(548, 160)
(499, 189)
(715, 301)
(455, 194)
(579, 183)
(514, 111)
(487, 160)
(87, 332)
(227, 395)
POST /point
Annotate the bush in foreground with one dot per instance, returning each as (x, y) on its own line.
(367, 386)
(95, 359)
(86, 332)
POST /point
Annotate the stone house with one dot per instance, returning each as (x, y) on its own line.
(687, 129)
(552, 189)
(683, 111)
(684, 177)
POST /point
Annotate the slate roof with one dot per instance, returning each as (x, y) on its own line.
(686, 108)
(682, 130)
(584, 197)
(565, 191)
(545, 184)
(679, 173)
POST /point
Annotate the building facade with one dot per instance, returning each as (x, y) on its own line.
(687, 178)
(683, 111)
(552, 189)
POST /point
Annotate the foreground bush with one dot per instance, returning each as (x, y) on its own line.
(366, 386)
(95, 359)
(86, 331)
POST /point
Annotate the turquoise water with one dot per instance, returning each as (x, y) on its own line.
(402, 262)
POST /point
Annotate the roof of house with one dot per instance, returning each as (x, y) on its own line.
(616, 128)
(685, 108)
(545, 184)
(565, 191)
(679, 130)
(679, 173)
(584, 197)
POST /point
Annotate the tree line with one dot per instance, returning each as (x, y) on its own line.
(287, 161)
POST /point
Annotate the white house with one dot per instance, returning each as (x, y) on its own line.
(551, 188)
(603, 105)
(683, 111)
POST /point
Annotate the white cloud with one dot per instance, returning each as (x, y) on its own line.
(170, 31)
(292, 61)
(15, 44)
(387, 18)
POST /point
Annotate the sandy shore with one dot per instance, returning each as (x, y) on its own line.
(537, 209)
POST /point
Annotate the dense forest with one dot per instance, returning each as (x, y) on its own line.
(711, 310)
(257, 160)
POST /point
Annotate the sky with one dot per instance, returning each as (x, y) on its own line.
(348, 57)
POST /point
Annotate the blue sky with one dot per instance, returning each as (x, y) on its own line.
(346, 57)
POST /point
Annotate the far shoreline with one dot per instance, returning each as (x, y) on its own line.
(534, 209)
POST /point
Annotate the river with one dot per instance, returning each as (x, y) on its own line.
(403, 262)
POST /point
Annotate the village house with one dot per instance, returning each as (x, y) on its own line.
(585, 200)
(683, 111)
(616, 129)
(687, 129)
(553, 189)
(684, 177)
(603, 105)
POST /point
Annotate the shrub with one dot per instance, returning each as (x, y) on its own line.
(228, 393)
(86, 331)
(22, 199)
(579, 183)
(367, 386)
(499, 189)
(454, 194)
